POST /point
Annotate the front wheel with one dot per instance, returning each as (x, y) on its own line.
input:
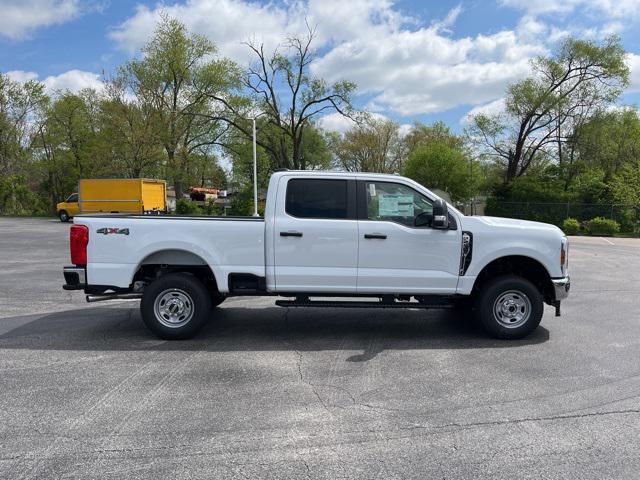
(509, 307)
(175, 306)
(217, 299)
(64, 216)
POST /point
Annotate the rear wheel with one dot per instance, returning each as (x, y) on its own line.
(63, 215)
(175, 306)
(509, 307)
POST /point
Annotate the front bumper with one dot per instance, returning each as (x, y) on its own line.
(75, 278)
(561, 287)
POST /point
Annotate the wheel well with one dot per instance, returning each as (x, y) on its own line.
(173, 261)
(525, 267)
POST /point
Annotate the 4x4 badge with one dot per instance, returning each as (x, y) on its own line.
(108, 231)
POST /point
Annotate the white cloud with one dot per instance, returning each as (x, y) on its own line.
(72, 80)
(613, 9)
(416, 72)
(633, 61)
(402, 65)
(408, 70)
(227, 22)
(19, 18)
(491, 108)
(21, 76)
(334, 122)
(404, 129)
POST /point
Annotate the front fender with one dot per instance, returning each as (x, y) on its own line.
(544, 257)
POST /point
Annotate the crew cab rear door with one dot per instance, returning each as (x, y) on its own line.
(316, 234)
(394, 256)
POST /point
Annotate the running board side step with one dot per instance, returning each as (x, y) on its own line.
(113, 296)
(356, 304)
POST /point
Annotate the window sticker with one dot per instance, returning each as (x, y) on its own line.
(405, 205)
(372, 189)
(395, 205)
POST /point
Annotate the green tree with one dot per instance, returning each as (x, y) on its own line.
(205, 171)
(291, 109)
(373, 146)
(130, 132)
(422, 135)
(315, 148)
(582, 74)
(609, 140)
(21, 110)
(289, 98)
(69, 144)
(180, 77)
(441, 166)
(21, 107)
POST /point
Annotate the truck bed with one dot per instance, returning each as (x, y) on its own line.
(117, 243)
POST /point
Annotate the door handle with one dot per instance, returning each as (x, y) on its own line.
(291, 234)
(378, 236)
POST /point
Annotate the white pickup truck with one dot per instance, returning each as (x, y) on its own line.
(327, 239)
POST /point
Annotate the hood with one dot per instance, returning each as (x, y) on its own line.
(512, 223)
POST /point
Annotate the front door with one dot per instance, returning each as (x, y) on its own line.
(316, 235)
(394, 256)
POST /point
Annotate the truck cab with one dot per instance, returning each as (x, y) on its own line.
(69, 208)
(328, 239)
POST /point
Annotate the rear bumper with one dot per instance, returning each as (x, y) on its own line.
(75, 278)
(561, 287)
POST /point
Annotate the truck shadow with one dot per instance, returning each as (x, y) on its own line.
(232, 328)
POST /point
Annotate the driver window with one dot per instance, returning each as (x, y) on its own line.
(395, 202)
(72, 198)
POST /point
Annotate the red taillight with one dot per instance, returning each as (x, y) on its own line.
(78, 240)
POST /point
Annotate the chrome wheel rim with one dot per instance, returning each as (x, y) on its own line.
(512, 309)
(173, 308)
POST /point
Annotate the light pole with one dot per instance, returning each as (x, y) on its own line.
(255, 171)
(255, 166)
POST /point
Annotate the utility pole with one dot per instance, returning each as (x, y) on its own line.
(255, 171)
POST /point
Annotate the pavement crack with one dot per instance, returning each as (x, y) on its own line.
(314, 387)
(306, 465)
(524, 420)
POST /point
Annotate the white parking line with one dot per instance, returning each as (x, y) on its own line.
(608, 241)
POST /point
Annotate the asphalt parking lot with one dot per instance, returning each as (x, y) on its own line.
(265, 392)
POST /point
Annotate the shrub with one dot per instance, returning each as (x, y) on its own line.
(602, 226)
(242, 203)
(571, 226)
(17, 197)
(186, 207)
(211, 208)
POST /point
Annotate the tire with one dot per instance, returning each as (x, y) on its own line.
(175, 306)
(509, 307)
(217, 299)
(63, 215)
(463, 304)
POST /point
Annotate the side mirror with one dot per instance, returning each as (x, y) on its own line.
(425, 219)
(440, 215)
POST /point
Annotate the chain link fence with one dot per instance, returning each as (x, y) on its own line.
(628, 216)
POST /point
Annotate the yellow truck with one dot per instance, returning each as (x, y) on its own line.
(115, 195)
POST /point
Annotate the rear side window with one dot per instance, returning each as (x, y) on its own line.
(316, 198)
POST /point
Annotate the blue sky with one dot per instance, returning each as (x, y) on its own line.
(413, 60)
